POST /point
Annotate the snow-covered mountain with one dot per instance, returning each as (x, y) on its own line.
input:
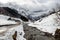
(34, 10)
(48, 24)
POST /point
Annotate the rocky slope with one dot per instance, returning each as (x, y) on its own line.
(32, 33)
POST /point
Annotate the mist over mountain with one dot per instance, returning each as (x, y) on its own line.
(33, 9)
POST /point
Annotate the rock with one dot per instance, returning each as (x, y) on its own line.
(57, 34)
(14, 36)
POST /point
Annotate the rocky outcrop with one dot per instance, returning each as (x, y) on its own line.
(57, 34)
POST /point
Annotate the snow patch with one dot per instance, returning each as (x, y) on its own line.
(4, 20)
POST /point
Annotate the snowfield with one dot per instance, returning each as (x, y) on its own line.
(6, 32)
